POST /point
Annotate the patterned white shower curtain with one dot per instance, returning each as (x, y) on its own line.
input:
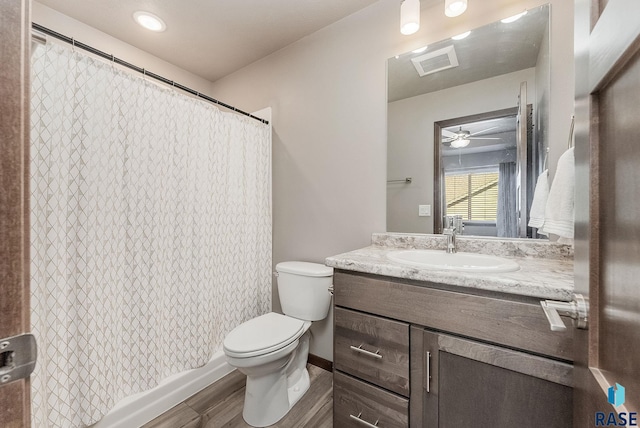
(151, 232)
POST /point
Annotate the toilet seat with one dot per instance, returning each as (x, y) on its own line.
(262, 335)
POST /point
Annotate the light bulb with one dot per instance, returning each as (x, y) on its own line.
(461, 36)
(458, 144)
(409, 17)
(454, 7)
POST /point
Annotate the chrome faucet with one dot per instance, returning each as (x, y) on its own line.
(452, 227)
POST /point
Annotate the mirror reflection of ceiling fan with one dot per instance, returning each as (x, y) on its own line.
(462, 138)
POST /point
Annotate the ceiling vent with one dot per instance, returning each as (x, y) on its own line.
(435, 61)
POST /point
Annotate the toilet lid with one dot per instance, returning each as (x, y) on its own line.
(304, 269)
(263, 334)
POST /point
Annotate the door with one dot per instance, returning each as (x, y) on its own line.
(466, 383)
(607, 261)
(15, 33)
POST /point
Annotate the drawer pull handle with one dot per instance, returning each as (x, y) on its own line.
(363, 422)
(427, 381)
(365, 352)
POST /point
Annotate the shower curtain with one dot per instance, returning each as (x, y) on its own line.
(507, 216)
(151, 232)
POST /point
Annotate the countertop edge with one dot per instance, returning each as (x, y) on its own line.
(372, 260)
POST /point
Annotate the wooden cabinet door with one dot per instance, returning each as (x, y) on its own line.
(15, 30)
(607, 248)
(467, 383)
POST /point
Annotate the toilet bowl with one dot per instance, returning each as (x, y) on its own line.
(272, 349)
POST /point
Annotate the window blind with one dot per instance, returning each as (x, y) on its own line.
(474, 196)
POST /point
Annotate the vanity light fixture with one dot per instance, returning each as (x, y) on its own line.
(409, 16)
(149, 21)
(513, 18)
(420, 50)
(461, 36)
(454, 7)
(460, 143)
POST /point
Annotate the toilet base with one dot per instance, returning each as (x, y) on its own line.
(274, 389)
(298, 389)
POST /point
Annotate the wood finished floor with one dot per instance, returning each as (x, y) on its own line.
(220, 405)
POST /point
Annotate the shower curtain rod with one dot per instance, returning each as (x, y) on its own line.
(48, 32)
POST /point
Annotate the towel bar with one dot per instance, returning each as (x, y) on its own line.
(405, 180)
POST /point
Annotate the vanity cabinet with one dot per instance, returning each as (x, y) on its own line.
(412, 353)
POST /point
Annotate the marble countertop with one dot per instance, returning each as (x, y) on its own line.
(540, 277)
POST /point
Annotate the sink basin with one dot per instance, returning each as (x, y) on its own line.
(462, 262)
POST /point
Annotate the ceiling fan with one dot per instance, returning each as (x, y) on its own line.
(462, 138)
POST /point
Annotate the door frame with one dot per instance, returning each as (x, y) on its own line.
(15, 34)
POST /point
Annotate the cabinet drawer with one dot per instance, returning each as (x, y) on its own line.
(520, 325)
(372, 348)
(354, 399)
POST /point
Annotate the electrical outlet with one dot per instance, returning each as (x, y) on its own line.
(424, 210)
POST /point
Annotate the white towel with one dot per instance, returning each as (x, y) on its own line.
(559, 213)
(539, 203)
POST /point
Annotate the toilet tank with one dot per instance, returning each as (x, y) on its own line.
(304, 289)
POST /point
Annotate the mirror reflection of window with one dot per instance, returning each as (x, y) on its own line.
(473, 195)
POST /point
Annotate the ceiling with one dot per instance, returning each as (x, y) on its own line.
(489, 51)
(502, 128)
(210, 38)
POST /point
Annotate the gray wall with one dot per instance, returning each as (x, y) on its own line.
(328, 93)
(475, 160)
(410, 140)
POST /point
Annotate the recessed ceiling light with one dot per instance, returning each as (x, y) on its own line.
(461, 36)
(420, 50)
(149, 21)
(513, 18)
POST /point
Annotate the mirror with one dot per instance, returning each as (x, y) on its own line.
(467, 129)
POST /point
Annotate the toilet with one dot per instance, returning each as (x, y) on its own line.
(272, 349)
